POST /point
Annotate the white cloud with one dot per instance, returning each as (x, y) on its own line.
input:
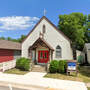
(17, 22)
(1, 31)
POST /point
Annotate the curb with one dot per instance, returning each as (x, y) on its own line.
(23, 86)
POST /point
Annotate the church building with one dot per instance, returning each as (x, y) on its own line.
(46, 42)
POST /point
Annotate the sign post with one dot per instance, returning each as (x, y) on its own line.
(71, 66)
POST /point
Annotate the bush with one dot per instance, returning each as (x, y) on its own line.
(53, 66)
(58, 66)
(62, 66)
(23, 64)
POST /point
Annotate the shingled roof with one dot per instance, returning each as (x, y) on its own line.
(5, 44)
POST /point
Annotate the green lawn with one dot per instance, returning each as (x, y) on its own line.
(89, 88)
(83, 75)
(16, 71)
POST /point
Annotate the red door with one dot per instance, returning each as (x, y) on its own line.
(43, 56)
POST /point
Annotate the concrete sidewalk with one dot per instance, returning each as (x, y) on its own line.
(36, 79)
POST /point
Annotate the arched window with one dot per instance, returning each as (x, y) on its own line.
(44, 29)
(58, 51)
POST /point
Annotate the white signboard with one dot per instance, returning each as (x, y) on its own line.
(71, 66)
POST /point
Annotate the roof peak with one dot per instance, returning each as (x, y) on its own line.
(44, 17)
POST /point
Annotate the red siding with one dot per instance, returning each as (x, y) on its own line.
(6, 55)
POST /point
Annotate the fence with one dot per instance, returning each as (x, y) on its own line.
(7, 65)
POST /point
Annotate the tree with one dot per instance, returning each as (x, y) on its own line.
(2, 38)
(88, 28)
(73, 26)
(21, 38)
(88, 17)
(9, 38)
(14, 40)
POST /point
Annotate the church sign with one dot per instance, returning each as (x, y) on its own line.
(71, 66)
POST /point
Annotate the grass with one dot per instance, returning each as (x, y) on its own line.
(16, 71)
(88, 88)
(83, 75)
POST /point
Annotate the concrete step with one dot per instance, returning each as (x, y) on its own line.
(38, 68)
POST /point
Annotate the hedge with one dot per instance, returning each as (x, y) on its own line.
(53, 66)
(58, 66)
(23, 64)
(62, 66)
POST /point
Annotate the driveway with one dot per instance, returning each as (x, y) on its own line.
(36, 79)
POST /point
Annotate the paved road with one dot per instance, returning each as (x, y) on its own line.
(7, 88)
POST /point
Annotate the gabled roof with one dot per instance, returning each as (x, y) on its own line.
(5, 44)
(51, 24)
(40, 41)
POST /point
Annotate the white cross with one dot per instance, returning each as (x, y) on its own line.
(44, 12)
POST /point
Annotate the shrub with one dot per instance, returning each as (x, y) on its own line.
(53, 66)
(23, 64)
(62, 66)
(58, 66)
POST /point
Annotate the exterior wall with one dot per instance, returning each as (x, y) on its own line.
(87, 52)
(17, 54)
(6, 55)
(53, 37)
(7, 65)
(78, 53)
(88, 56)
(33, 55)
(82, 54)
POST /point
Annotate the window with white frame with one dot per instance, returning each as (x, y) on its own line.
(58, 51)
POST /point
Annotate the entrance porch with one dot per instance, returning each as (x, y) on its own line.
(40, 52)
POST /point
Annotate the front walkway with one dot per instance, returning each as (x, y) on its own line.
(36, 79)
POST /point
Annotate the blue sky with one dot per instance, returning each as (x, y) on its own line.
(18, 17)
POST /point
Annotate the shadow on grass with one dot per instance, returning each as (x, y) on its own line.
(84, 70)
